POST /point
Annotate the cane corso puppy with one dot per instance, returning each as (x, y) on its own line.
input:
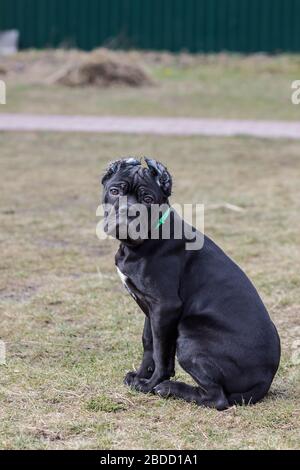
(198, 304)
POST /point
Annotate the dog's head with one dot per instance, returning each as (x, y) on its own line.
(127, 184)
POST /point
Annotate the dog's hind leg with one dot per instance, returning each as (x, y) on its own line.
(214, 398)
(252, 396)
(209, 392)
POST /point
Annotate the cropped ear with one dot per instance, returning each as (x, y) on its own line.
(116, 165)
(161, 174)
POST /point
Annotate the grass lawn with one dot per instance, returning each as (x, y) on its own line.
(72, 332)
(222, 86)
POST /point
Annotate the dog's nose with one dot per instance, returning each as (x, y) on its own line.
(123, 210)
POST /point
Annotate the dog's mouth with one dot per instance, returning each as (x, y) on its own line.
(119, 225)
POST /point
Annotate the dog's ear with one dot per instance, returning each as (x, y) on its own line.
(161, 174)
(116, 165)
(110, 171)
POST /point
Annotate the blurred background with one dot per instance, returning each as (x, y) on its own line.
(193, 25)
(194, 58)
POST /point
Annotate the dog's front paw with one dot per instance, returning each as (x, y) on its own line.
(142, 385)
(146, 371)
(129, 378)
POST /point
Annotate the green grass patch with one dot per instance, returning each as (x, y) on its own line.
(104, 403)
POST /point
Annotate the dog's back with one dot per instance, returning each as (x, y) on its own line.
(226, 319)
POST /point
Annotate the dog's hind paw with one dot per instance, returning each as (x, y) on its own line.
(163, 389)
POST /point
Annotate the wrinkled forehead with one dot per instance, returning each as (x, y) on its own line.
(136, 177)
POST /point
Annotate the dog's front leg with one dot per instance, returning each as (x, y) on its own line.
(164, 333)
(147, 366)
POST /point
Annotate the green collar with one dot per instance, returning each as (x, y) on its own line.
(163, 218)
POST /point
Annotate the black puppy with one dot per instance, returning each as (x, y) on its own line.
(199, 305)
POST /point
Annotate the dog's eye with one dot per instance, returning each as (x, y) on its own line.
(148, 199)
(114, 191)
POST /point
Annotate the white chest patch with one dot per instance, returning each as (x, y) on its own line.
(122, 276)
(124, 279)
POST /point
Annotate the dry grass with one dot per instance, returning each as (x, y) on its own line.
(102, 68)
(72, 332)
(226, 86)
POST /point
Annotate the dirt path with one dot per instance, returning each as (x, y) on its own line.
(150, 125)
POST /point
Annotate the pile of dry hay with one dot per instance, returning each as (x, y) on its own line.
(103, 68)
